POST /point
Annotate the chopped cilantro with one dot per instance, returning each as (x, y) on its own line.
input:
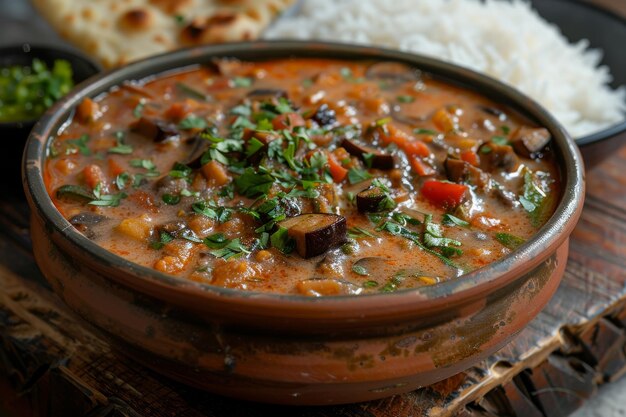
(106, 200)
(360, 270)
(138, 110)
(252, 183)
(79, 145)
(121, 148)
(192, 122)
(500, 140)
(421, 131)
(450, 220)
(510, 241)
(357, 232)
(356, 175)
(280, 240)
(164, 238)
(405, 99)
(241, 82)
(170, 199)
(192, 92)
(121, 181)
(180, 171)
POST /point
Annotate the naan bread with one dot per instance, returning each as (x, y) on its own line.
(119, 31)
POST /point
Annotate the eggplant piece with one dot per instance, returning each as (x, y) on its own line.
(155, 130)
(315, 233)
(528, 141)
(413, 120)
(198, 147)
(370, 199)
(493, 112)
(87, 218)
(83, 222)
(324, 116)
(392, 73)
(75, 193)
(379, 160)
(265, 94)
(494, 157)
(462, 171)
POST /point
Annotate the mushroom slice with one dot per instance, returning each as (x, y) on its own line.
(528, 141)
(379, 160)
(315, 233)
(494, 157)
(155, 130)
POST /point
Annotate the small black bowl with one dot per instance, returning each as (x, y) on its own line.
(14, 134)
(606, 31)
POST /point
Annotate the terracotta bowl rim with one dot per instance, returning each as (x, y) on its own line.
(470, 286)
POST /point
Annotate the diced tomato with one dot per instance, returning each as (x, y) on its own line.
(93, 176)
(443, 194)
(470, 156)
(420, 167)
(336, 170)
(287, 121)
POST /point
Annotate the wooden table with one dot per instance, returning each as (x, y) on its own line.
(52, 364)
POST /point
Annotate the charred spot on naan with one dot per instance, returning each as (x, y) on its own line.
(223, 26)
(172, 7)
(136, 19)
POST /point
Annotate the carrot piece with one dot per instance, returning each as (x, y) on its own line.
(115, 169)
(287, 121)
(470, 157)
(420, 167)
(416, 148)
(391, 134)
(443, 194)
(444, 121)
(215, 173)
(336, 170)
(93, 176)
(87, 110)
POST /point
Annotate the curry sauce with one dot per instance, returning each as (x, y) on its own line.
(303, 176)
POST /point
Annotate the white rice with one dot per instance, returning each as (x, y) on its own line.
(507, 40)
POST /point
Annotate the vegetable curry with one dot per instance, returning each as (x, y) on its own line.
(303, 176)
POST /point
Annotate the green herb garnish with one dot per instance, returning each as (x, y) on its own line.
(121, 147)
(356, 175)
(192, 122)
(450, 220)
(106, 200)
(509, 241)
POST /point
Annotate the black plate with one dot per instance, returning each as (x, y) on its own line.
(14, 134)
(604, 30)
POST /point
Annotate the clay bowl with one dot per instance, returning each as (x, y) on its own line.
(293, 349)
